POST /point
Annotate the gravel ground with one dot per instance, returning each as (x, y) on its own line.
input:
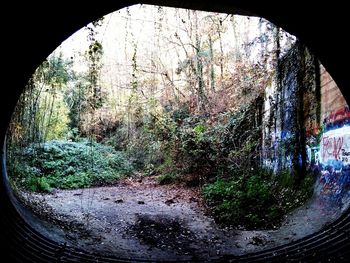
(142, 219)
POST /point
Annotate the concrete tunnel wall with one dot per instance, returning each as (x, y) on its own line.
(306, 125)
(33, 30)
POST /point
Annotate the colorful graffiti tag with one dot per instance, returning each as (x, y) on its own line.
(340, 115)
(334, 165)
(328, 153)
(335, 147)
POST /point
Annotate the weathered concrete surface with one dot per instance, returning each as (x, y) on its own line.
(331, 97)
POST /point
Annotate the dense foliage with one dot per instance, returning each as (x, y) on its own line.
(65, 165)
(257, 199)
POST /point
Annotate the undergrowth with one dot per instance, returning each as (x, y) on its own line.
(67, 165)
(258, 199)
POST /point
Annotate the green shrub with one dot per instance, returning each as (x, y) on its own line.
(255, 199)
(62, 164)
(39, 184)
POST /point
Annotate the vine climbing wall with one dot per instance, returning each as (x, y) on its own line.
(289, 110)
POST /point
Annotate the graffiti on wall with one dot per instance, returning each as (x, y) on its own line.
(325, 119)
(340, 115)
(334, 161)
(328, 152)
(335, 147)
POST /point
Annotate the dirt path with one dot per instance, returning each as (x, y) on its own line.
(141, 219)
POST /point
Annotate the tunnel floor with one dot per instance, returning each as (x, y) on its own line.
(145, 220)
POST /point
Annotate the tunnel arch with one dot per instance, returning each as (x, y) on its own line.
(30, 43)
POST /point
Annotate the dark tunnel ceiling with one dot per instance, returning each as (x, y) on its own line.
(32, 30)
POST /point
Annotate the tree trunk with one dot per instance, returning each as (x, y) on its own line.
(212, 72)
(199, 69)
